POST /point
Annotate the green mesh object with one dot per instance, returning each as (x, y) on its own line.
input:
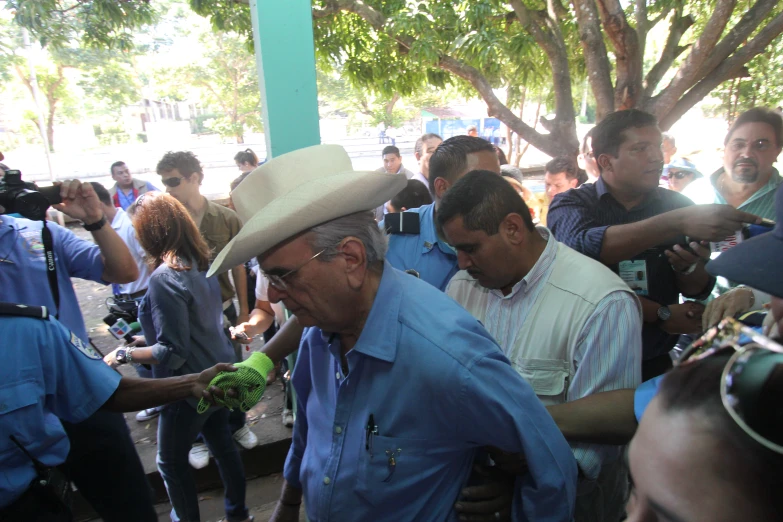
(249, 381)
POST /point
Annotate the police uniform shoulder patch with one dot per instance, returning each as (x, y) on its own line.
(20, 310)
(85, 348)
(402, 223)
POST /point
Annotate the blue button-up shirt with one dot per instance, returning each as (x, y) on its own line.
(23, 276)
(579, 218)
(47, 372)
(437, 387)
(425, 252)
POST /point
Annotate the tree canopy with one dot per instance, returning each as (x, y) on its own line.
(397, 47)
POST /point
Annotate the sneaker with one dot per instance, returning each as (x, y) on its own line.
(246, 438)
(148, 414)
(288, 418)
(199, 455)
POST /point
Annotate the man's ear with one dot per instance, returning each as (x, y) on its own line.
(441, 186)
(355, 258)
(605, 161)
(513, 228)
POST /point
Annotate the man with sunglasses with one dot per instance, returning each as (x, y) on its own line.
(680, 173)
(748, 179)
(181, 173)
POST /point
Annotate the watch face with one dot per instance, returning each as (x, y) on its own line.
(664, 313)
(121, 356)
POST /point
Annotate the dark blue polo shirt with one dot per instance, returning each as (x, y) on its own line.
(579, 218)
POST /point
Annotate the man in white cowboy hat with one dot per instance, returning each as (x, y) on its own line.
(383, 352)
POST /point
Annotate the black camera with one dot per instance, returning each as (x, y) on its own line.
(26, 199)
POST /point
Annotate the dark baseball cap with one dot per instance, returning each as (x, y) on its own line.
(756, 262)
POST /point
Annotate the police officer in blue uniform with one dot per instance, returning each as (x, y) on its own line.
(49, 373)
(36, 264)
(414, 243)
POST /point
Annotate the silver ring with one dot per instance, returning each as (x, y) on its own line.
(497, 515)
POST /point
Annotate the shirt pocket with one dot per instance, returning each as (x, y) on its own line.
(395, 465)
(549, 378)
(19, 414)
(216, 241)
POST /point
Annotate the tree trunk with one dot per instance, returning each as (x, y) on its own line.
(389, 108)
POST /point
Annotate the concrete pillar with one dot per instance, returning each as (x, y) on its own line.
(283, 37)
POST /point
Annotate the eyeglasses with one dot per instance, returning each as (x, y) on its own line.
(745, 382)
(679, 174)
(757, 145)
(278, 281)
(172, 182)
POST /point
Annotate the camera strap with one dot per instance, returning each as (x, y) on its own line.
(51, 266)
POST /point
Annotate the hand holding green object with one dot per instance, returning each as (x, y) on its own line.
(249, 383)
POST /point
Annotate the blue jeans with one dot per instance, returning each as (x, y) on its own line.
(178, 426)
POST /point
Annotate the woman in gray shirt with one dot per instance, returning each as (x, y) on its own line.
(182, 314)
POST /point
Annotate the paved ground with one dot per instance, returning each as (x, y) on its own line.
(262, 494)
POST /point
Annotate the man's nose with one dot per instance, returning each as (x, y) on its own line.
(463, 260)
(274, 294)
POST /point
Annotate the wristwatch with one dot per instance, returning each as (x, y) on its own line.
(95, 226)
(664, 314)
(122, 356)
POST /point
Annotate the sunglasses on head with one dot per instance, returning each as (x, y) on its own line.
(172, 182)
(751, 380)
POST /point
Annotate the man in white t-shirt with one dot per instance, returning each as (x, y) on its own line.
(261, 318)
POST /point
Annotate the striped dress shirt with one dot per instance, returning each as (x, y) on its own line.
(608, 356)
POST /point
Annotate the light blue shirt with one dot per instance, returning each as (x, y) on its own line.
(430, 256)
(47, 372)
(23, 277)
(438, 388)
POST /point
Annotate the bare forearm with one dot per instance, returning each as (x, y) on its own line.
(261, 320)
(118, 264)
(649, 310)
(285, 342)
(240, 285)
(622, 242)
(134, 394)
(143, 356)
(601, 418)
(290, 495)
(694, 283)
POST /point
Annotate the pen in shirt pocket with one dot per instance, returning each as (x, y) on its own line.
(369, 431)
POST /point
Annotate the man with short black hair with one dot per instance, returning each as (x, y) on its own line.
(416, 245)
(642, 231)
(521, 283)
(126, 189)
(392, 162)
(414, 195)
(562, 174)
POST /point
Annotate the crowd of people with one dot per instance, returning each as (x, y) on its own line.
(462, 353)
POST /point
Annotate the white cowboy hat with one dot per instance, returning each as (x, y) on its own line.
(297, 191)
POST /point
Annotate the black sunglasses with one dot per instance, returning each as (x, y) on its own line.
(172, 182)
(679, 174)
(747, 380)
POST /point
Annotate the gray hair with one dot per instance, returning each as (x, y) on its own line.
(361, 225)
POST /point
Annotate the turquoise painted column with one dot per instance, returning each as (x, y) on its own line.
(285, 54)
